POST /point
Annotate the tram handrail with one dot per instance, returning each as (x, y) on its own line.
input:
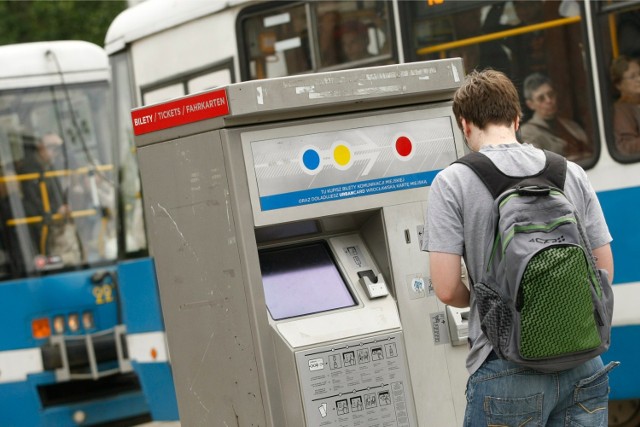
(498, 35)
(55, 217)
(53, 174)
(13, 222)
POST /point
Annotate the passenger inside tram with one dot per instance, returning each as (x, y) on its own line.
(546, 129)
(494, 54)
(327, 40)
(625, 76)
(354, 41)
(56, 234)
(527, 52)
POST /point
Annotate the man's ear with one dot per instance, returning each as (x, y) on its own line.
(516, 124)
(466, 129)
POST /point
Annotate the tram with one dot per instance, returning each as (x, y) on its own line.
(162, 49)
(82, 339)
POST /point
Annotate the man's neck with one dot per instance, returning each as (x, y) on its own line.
(493, 135)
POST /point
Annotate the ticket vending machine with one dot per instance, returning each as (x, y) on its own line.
(285, 218)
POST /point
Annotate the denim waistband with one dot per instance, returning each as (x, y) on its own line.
(492, 356)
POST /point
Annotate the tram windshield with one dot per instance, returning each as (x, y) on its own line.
(57, 195)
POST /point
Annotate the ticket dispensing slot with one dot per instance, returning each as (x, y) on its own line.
(373, 284)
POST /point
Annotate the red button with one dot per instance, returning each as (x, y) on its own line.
(404, 146)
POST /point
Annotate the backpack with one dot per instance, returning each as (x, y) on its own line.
(541, 300)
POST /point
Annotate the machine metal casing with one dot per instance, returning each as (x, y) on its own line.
(219, 190)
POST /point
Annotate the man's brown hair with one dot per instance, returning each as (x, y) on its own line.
(486, 97)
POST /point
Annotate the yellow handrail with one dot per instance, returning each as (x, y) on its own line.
(56, 217)
(53, 174)
(498, 35)
(45, 195)
(613, 33)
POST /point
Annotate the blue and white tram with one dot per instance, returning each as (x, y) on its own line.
(81, 336)
(165, 49)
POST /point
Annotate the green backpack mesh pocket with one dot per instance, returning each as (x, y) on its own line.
(556, 306)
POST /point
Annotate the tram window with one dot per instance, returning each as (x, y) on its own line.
(133, 228)
(619, 31)
(520, 38)
(163, 94)
(277, 42)
(209, 81)
(315, 36)
(350, 32)
(210, 77)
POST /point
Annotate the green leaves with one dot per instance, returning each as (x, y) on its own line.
(41, 20)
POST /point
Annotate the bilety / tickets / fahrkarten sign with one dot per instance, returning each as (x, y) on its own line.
(181, 111)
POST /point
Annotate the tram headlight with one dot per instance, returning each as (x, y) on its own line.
(58, 324)
(73, 322)
(87, 320)
(41, 328)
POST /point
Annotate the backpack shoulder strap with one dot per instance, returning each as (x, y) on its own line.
(555, 169)
(552, 174)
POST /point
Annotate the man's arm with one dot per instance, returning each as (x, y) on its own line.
(446, 279)
(604, 259)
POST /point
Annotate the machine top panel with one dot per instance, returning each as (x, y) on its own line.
(261, 101)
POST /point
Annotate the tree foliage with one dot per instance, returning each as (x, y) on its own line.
(41, 20)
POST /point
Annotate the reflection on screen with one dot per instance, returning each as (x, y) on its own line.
(302, 280)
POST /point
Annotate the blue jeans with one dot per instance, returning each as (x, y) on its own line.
(501, 394)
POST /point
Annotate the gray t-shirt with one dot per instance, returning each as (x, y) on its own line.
(459, 209)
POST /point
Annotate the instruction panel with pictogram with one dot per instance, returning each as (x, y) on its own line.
(358, 383)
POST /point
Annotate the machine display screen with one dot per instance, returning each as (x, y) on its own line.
(301, 280)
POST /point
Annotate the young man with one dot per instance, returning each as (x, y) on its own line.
(499, 392)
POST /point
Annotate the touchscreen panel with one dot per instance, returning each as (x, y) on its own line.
(301, 280)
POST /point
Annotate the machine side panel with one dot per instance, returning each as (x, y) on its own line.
(201, 287)
(437, 367)
(265, 353)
